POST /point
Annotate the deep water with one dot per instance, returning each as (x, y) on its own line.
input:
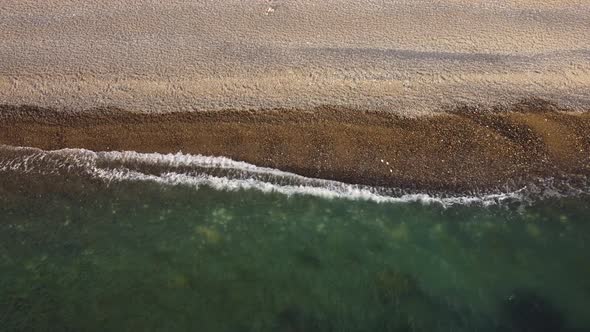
(142, 256)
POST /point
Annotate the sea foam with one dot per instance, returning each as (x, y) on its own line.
(221, 173)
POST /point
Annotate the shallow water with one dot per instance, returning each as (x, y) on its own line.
(79, 253)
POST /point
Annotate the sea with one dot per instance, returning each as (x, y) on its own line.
(127, 241)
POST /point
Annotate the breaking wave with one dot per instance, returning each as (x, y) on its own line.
(222, 173)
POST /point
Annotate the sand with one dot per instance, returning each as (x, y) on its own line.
(407, 57)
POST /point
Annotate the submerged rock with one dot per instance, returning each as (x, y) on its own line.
(209, 234)
(393, 285)
(309, 258)
(526, 311)
(407, 307)
(295, 319)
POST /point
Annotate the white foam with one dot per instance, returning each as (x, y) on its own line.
(126, 166)
(331, 192)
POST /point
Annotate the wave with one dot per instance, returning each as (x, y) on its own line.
(222, 173)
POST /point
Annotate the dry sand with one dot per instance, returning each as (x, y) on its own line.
(408, 57)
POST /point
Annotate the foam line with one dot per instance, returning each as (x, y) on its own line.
(222, 173)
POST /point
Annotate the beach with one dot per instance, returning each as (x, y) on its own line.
(387, 94)
(295, 165)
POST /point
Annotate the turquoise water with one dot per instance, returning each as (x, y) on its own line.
(84, 254)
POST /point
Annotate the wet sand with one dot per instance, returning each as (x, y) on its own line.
(459, 150)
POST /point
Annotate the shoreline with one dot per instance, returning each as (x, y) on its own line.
(459, 150)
